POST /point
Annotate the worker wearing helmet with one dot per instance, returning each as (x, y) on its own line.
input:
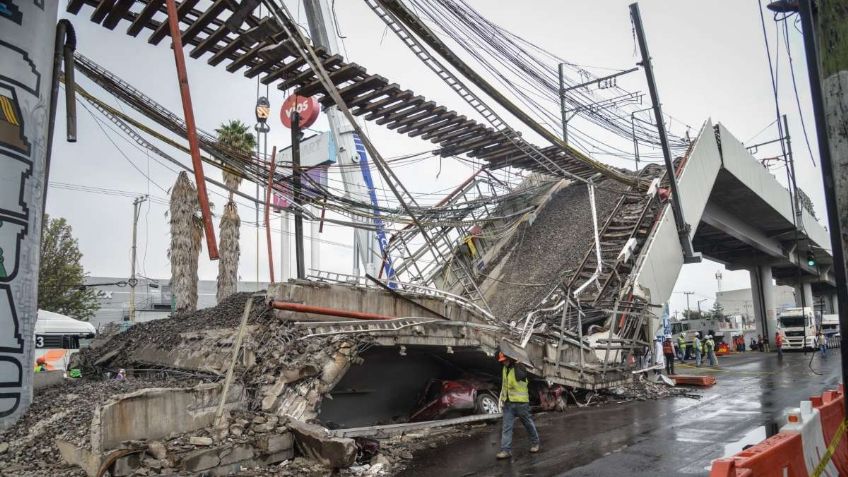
(698, 348)
(709, 349)
(515, 402)
(40, 365)
(668, 352)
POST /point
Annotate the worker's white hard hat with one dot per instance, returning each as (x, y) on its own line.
(697, 333)
(668, 336)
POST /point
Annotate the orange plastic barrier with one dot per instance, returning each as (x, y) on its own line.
(691, 380)
(780, 455)
(831, 408)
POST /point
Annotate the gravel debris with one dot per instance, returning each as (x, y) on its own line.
(546, 251)
(61, 412)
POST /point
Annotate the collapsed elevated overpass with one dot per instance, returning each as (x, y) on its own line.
(742, 217)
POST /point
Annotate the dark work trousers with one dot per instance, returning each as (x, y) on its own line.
(669, 363)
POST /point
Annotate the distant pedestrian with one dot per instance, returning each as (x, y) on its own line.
(515, 401)
(709, 349)
(668, 353)
(778, 343)
(122, 375)
(753, 344)
(696, 344)
(821, 343)
(659, 356)
(681, 347)
(760, 342)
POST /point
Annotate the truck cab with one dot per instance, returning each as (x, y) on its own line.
(794, 324)
(830, 330)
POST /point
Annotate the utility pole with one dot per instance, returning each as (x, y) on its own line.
(828, 73)
(562, 109)
(298, 204)
(687, 301)
(320, 17)
(700, 314)
(689, 254)
(132, 282)
(605, 80)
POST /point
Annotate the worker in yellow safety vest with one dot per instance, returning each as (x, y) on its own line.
(681, 347)
(40, 365)
(515, 402)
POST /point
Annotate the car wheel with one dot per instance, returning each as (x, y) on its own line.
(486, 404)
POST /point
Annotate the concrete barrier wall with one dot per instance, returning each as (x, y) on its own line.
(156, 413)
(362, 299)
(47, 379)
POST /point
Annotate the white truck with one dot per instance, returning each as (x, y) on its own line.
(796, 324)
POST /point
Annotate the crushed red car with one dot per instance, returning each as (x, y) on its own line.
(444, 398)
(448, 398)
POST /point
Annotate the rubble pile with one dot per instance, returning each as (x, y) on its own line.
(61, 412)
(643, 389)
(553, 245)
(165, 333)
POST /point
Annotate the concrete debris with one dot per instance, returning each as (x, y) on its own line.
(643, 389)
(166, 333)
(62, 412)
(314, 441)
(546, 251)
(200, 441)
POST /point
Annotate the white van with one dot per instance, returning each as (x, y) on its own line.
(58, 337)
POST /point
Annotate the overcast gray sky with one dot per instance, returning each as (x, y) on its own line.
(709, 60)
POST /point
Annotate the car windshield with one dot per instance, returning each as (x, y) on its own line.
(792, 321)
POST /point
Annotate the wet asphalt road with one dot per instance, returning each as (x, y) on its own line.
(673, 436)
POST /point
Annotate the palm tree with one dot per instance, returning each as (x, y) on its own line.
(235, 135)
(186, 235)
(229, 251)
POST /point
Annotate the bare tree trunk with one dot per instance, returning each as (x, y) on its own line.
(228, 264)
(185, 243)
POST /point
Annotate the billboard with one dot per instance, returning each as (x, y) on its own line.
(316, 150)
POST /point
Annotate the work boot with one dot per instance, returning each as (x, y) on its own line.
(503, 455)
(534, 449)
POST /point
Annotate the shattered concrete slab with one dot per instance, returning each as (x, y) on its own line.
(315, 442)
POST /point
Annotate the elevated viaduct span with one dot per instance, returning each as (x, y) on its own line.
(745, 220)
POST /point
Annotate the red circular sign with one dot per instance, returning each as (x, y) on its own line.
(308, 108)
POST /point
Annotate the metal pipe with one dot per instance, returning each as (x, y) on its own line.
(828, 178)
(689, 255)
(191, 129)
(320, 310)
(64, 46)
(561, 337)
(273, 162)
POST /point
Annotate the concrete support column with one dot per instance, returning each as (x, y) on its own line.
(27, 33)
(767, 286)
(834, 303)
(807, 290)
(757, 300)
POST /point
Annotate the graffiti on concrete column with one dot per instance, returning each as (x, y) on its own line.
(20, 103)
